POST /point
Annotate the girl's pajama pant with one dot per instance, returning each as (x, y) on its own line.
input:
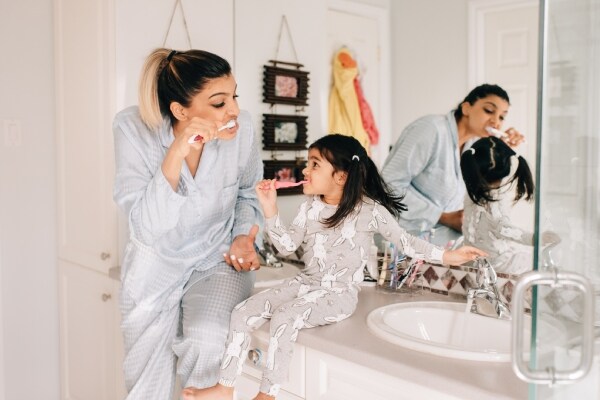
(295, 304)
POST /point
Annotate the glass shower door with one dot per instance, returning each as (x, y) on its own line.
(568, 200)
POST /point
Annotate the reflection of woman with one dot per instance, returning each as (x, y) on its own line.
(424, 164)
(188, 206)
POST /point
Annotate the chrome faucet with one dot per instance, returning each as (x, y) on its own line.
(267, 253)
(487, 291)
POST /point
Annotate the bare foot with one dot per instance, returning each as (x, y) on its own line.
(217, 392)
(263, 396)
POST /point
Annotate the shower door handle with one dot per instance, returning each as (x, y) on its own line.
(555, 279)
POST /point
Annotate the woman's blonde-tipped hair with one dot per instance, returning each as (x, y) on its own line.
(175, 76)
(148, 88)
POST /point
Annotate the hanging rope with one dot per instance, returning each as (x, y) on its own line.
(187, 31)
(285, 23)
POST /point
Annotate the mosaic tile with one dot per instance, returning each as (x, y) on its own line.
(448, 280)
(430, 276)
(458, 289)
(467, 282)
(507, 290)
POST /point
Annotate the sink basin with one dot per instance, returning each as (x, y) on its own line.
(444, 329)
(270, 276)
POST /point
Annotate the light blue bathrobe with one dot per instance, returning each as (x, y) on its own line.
(175, 234)
(424, 165)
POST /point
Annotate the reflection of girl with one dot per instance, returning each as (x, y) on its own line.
(348, 203)
(492, 172)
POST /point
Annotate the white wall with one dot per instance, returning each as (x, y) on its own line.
(28, 266)
(429, 59)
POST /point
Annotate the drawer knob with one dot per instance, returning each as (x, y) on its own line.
(106, 296)
(104, 256)
(255, 355)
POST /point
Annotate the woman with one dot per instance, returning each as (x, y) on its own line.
(186, 167)
(424, 164)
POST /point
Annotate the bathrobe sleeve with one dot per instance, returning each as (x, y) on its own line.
(409, 160)
(141, 190)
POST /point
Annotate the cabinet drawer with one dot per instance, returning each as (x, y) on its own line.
(259, 347)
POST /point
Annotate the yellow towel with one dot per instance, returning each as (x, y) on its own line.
(344, 110)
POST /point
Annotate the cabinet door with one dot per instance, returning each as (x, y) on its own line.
(246, 388)
(84, 111)
(254, 367)
(331, 378)
(87, 333)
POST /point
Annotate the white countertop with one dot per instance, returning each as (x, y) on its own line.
(351, 340)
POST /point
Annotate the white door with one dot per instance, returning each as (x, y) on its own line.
(363, 30)
(87, 216)
(504, 51)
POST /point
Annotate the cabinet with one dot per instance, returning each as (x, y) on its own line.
(90, 341)
(315, 375)
(332, 378)
(247, 385)
(91, 349)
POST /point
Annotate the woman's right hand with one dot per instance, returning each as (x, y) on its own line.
(267, 197)
(453, 220)
(198, 131)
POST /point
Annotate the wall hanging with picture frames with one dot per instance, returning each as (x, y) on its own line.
(285, 83)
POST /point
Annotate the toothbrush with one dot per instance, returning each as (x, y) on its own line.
(495, 132)
(228, 125)
(283, 185)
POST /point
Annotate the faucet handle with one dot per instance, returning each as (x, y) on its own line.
(486, 275)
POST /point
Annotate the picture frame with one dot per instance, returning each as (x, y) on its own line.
(284, 132)
(286, 171)
(285, 85)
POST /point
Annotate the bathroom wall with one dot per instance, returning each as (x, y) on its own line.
(28, 270)
(429, 58)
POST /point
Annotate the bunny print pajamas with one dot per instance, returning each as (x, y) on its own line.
(325, 292)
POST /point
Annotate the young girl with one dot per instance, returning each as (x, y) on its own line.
(495, 178)
(348, 203)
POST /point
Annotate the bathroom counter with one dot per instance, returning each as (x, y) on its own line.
(351, 341)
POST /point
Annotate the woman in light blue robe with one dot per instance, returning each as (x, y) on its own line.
(424, 164)
(187, 163)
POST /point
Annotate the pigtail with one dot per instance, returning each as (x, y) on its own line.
(524, 178)
(376, 189)
(477, 186)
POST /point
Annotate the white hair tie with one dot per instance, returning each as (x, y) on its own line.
(472, 150)
(355, 157)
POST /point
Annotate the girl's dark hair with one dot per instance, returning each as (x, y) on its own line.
(346, 154)
(480, 92)
(175, 76)
(488, 161)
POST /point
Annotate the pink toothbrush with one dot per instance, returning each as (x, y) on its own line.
(228, 125)
(283, 185)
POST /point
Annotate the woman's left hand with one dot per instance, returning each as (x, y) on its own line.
(242, 255)
(462, 255)
(513, 137)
